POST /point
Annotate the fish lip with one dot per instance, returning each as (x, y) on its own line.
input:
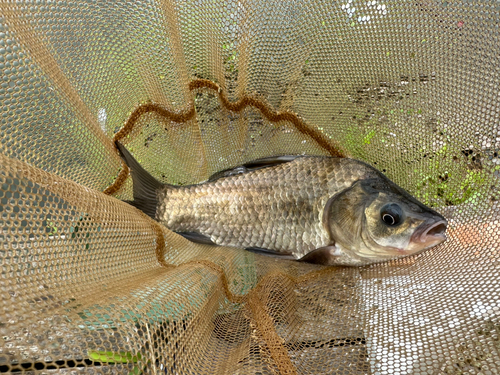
(430, 231)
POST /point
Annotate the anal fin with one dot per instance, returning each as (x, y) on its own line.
(197, 238)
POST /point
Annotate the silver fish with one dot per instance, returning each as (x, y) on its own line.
(332, 211)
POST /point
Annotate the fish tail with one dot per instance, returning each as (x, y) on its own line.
(145, 186)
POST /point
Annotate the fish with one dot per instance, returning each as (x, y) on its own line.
(316, 209)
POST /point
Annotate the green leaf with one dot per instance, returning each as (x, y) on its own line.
(112, 357)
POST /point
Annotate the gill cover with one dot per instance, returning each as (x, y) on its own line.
(344, 213)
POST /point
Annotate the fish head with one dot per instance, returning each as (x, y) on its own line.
(375, 220)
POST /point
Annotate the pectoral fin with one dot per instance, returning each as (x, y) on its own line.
(327, 256)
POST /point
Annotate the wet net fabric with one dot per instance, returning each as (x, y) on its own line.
(91, 285)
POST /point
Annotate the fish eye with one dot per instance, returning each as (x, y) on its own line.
(391, 214)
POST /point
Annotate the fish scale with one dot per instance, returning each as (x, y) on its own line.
(277, 208)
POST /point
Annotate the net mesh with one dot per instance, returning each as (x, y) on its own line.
(89, 284)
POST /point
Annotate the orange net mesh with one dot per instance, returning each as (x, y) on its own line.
(90, 284)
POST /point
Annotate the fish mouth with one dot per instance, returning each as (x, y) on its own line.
(430, 233)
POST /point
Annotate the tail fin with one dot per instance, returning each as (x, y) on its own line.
(145, 185)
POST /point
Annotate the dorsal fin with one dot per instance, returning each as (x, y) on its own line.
(254, 165)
